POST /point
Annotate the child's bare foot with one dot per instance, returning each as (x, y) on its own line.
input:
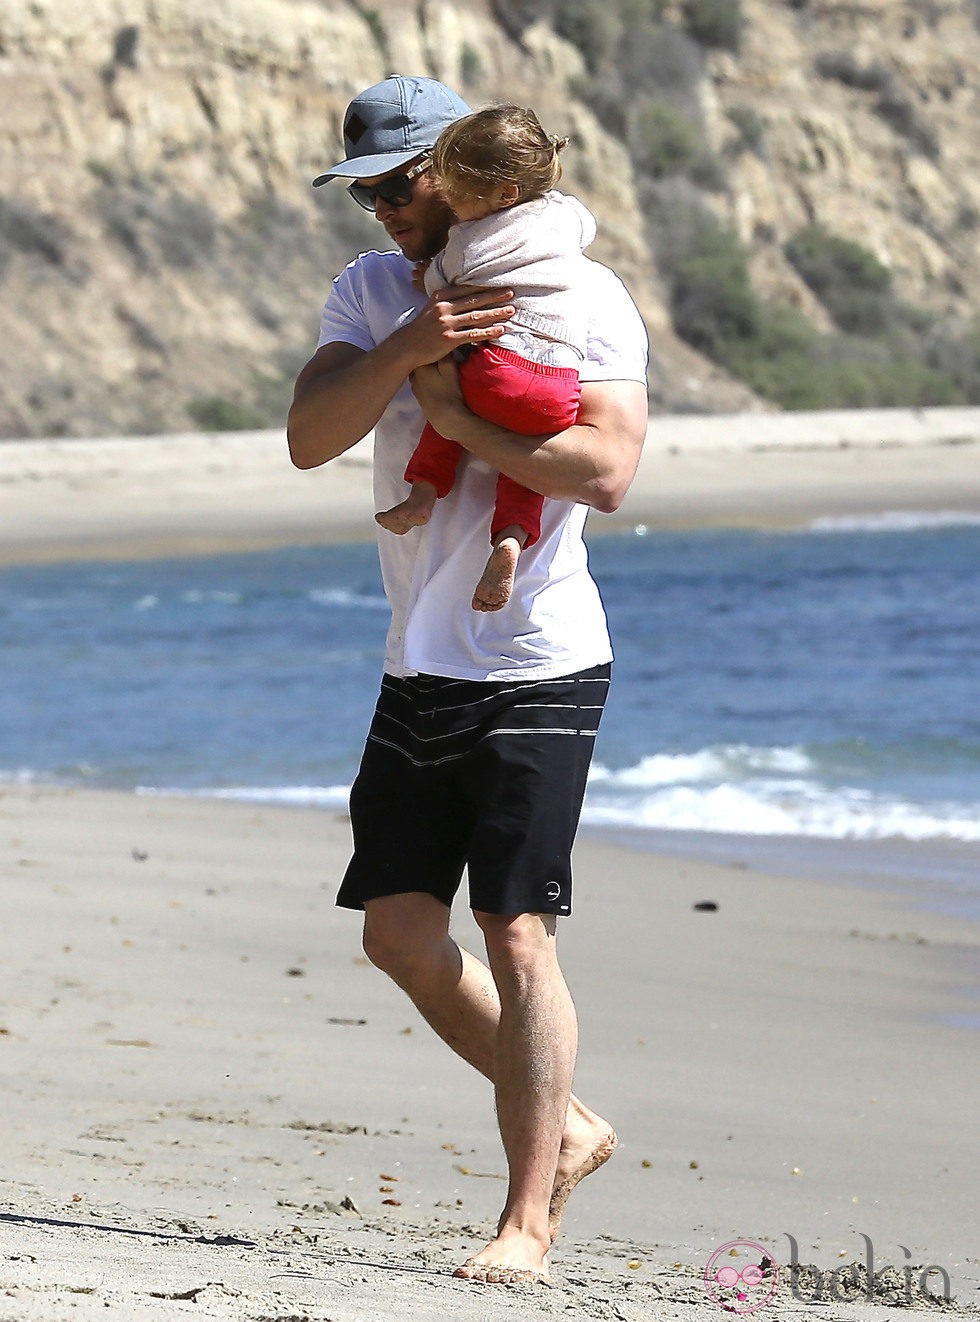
(412, 512)
(494, 588)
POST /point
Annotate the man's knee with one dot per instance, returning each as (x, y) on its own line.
(518, 939)
(400, 931)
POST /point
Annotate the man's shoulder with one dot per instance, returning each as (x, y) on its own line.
(617, 338)
(369, 297)
(373, 265)
(603, 276)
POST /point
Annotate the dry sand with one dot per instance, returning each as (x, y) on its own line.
(214, 1108)
(201, 494)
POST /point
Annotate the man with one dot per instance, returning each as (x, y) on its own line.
(479, 749)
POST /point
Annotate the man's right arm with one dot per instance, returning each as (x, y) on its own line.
(342, 391)
(340, 394)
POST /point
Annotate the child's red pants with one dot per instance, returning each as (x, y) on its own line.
(530, 398)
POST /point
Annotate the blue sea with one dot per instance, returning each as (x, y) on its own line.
(812, 686)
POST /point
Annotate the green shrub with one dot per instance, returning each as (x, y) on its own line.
(186, 231)
(605, 100)
(470, 65)
(843, 67)
(751, 130)
(774, 349)
(665, 142)
(654, 55)
(215, 413)
(101, 170)
(177, 230)
(897, 110)
(376, 27)
(827, 262)
(953, 350)
(859, 312)
(711, 296)
(853, 285)
(637, 13)
(817, 371)
(24, 229)
(125, 45)
(273, 389)
(659, 57)
(894, 106)
(593, 27)
(715, 23)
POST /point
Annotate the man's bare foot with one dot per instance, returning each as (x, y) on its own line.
(412, 512)
(513, 1258)
(588, 1143)
(494, 588)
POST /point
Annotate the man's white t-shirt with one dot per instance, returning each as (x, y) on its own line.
(554, 623)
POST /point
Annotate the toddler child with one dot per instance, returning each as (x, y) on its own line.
(498, 169)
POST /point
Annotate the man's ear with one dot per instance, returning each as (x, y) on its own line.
(509, 195)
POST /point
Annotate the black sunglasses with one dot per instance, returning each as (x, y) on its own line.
(396, 189)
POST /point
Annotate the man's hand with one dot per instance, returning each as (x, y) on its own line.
(418, 274)
(436, 387)
(453, 317)
(343, 391)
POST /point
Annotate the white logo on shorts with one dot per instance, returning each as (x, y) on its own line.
(553, 890)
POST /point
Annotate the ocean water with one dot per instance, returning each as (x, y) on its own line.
(822, 684)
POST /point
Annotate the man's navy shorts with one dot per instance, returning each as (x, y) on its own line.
(489, 776)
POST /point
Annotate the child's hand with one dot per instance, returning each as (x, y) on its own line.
(418, 274)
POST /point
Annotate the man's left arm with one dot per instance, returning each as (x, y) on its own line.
(593, 461)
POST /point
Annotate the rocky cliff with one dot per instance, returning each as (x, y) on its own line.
(163, 258)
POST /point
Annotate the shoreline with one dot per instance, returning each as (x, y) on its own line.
(203, 1067)
(933, 875)
(937, 875)
(211, 493)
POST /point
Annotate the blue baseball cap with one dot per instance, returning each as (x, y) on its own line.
(391, 123)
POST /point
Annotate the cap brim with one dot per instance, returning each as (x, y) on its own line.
(364, 167)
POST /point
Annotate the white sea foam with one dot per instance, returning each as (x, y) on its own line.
(897, 521)
(22, 776)
(726, 761)
(294, 796)
(343, 597)
(783, 806)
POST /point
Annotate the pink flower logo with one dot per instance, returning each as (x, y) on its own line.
(741, 1276)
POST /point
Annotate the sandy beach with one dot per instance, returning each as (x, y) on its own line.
(206, 493)
(216, 1108)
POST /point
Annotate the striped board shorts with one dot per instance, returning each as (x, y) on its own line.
(487, 776)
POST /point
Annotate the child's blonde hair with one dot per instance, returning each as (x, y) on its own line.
(499, 145)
